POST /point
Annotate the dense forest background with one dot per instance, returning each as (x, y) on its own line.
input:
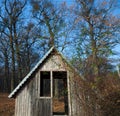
(87, 32)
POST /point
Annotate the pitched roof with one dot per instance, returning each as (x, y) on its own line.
(20, 85)
(29, 74)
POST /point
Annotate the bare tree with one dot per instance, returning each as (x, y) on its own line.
(10, 16)
(97, 27)
(50, 21)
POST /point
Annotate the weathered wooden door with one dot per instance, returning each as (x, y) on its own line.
(43, 107)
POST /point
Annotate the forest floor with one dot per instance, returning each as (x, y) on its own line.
(6, 105)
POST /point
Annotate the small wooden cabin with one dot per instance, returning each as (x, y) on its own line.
(47, 90)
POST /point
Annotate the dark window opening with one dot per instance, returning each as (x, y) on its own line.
(45, 90)
(60, 93)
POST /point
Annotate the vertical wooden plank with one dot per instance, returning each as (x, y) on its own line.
(21, 99)
(29, 108)
(37, 84)
(19, 112)
(25, 101)
(51, 76)
(69, 94)
(72, 99)
(21, 107)
(34, 95)
(16, 106)
(51, 83)
(30, 90)
(26, 107)
(28, 102)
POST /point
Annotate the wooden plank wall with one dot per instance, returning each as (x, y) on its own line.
(43, 107)
(25, 100)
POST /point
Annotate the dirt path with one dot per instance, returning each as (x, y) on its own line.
(6, 105)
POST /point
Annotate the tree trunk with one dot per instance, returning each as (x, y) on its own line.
(94, 51)
(19, 72)
(13, 62)
(51, 42)
(6, 78)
